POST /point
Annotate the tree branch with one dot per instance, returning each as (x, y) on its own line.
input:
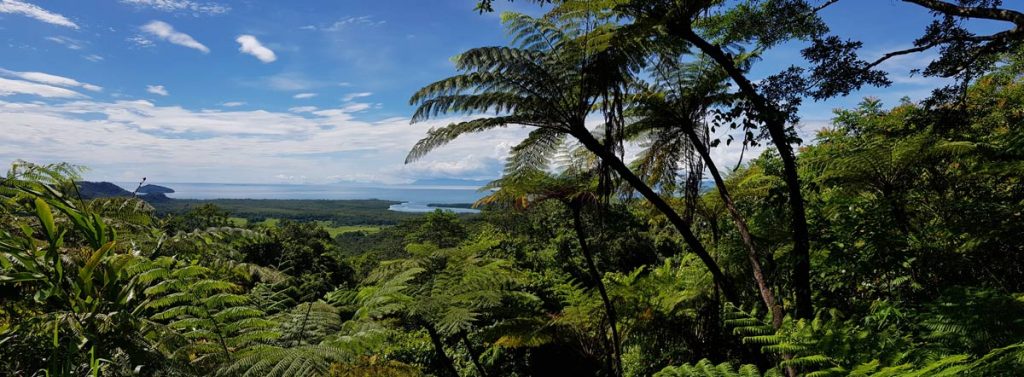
(823, 6)
(950, 9)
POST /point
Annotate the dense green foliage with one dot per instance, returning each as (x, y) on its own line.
(580, 263)
(338, 212)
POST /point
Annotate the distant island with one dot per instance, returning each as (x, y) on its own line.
(93, 190)
(155, 189)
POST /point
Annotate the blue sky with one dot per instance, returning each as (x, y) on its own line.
(291, 91)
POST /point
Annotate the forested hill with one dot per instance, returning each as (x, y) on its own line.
(93, 190)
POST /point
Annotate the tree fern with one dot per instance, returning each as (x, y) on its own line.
(211, 321)
(705, 368)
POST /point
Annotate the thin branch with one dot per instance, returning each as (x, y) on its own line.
(823, 6)
(902, 52)
(950, 9)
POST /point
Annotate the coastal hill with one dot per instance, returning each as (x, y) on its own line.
(155, 189)
(92, 190)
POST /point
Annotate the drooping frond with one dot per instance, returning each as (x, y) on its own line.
(210, 321)
(271, 361)
(537, 34)
(309, 323)
(705, 368)
(535, 152)
(440, 136)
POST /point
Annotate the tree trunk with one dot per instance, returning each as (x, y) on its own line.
(775, 122)
(609, 309)
(474, 356)
(681, 225)
(442, 358)
(741, 225)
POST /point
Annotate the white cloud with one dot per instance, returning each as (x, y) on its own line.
(157, 89)
(70, 43)
(304, 95)
(93, 58)
(286, 81)
(352, 96)
(166, 32)
(361, 20)
(356, 107)
(303, 109)
(34, 11)
(140, 41)
(252, 46)
(308, 27)
(197, 8)
(178, 144)
(48, 79)
(12, 87)
(468, 166)
(233, 104)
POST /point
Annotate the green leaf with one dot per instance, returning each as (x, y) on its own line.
(85, 274)
(46, 219)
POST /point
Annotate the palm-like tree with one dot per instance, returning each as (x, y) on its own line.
(671, 115)
(443, 291)
(576, 189)
(556, 77)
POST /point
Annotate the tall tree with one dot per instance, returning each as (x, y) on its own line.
(552, 81)
(672, 117)
(576, 191)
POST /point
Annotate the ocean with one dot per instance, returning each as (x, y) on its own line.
(414, 198)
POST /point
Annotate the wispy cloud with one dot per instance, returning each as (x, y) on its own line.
(93, 58)
(34, 11)
(286, 81)
(352, 96)
(233, 104)
(48, 79)
(12, 87)
(157, 89)
(140, 41)
(352, 21)
(196, 8)
(304, 95)
(166, 32)
(70, 43)
(252, 46)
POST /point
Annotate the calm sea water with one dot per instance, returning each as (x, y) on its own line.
(414, 197)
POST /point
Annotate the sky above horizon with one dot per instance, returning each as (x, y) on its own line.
(309, 91)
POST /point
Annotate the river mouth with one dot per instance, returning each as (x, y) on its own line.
(423, 207)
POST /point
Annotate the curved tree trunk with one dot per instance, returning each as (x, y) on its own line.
(681, 225)
(474, 356)
(445, 362)
(609, 309)
(741, 225)
(775, 122)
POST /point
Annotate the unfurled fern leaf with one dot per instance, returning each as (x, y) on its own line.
(211, 320)
(705, 368)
